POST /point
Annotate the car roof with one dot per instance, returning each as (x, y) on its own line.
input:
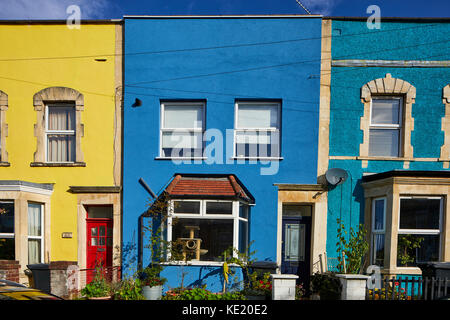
(17, 291)
(4, 282)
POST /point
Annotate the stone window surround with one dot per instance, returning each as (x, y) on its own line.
(21, 193)
(445, 149)
(388, 86)
(392, 189)
(3, 129)
(40, 100)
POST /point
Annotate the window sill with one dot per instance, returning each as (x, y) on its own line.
(384, 158)
(198, 263)
(258, 158)
(181, 158)
(58, 164)
(5, 164)
(402, 270)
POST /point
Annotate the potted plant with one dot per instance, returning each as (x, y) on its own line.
(98, 288)
(351, 254)
(152, 283)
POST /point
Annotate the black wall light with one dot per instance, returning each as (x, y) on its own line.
(137, 103)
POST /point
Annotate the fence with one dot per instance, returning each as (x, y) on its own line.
(111, 274)
(414, 288)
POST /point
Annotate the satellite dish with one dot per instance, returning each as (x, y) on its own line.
(336, 176)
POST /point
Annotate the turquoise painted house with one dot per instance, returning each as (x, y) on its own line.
(389, 132)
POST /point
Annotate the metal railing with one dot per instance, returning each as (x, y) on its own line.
(410, 288)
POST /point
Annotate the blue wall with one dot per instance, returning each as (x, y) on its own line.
(394, 41)
(283, 62)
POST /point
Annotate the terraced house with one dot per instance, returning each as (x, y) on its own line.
(60, 97)
(221, 117)
(388, 110)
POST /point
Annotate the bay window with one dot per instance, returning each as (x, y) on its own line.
(378, 230)
(35, 233)
(408, 214)
(7, 235)
(204, 229)
(419, 230)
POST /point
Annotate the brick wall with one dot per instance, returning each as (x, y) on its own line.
(9, 270)
(64, 278)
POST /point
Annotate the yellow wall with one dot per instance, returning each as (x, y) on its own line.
(21, 79)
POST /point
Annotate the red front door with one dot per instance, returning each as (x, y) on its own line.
(99, 246)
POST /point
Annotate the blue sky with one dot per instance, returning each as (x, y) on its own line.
(107, 9)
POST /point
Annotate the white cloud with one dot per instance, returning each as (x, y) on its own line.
(51, 9)
(324, 7)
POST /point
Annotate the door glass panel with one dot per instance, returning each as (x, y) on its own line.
(100, 212)
(94, 232)
(296, 210)
(93, 241)
(294, 242)
(102, 231)
(101, 241)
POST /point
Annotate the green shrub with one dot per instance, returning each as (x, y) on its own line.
(96, 288)
(326, 285)
(129, 289)
(201, 294)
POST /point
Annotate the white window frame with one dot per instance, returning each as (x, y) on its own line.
(41, 237)
(399, 127)
(376, 232)
(203, 215)
(424, 231)
(59, 132)
(183, 130)
(270, 129)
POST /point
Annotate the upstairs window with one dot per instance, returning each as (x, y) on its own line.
(60, 133)
(257, 130)
(385, 130)
(182, 127)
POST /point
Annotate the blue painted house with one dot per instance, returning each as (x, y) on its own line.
(389, 129)
(221, 116)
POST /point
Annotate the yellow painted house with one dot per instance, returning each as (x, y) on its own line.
(60, 142)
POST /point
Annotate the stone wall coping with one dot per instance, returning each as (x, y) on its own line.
(283, 276)
(61, 265)
(353, 276)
